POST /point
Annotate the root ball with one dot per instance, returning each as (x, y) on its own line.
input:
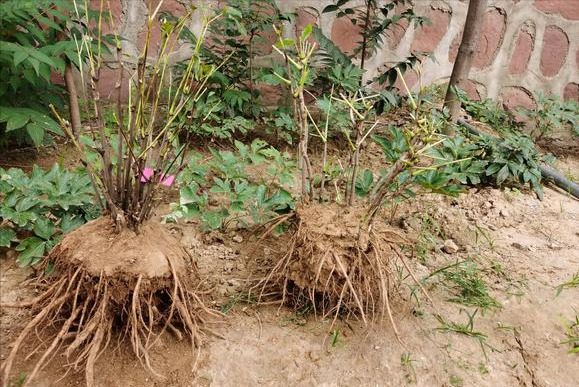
(338, 265)
(109, 287)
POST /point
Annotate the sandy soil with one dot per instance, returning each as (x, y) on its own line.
(523, 248)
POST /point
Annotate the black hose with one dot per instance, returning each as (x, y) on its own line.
(547, 172)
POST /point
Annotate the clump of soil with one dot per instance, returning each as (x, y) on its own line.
(337, 264)
(109, 287)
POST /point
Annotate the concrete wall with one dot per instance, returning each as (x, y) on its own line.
(525, 45)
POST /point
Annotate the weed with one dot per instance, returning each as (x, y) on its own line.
(465, 280)
(466, 329)
(572, 283)
(482, 368)
(334, 336)
(485, 235)
(456, 381)
(509, 328)
(221, 191)
(299, 317)
(429, 230)
(237, 298)
(571, 333)
(407, 364)
(21, 380)
(551, 113)
(45, 204)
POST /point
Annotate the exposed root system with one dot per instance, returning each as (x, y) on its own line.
(108, 288)
(336, 265)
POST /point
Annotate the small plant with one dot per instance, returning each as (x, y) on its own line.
(39, 208)
(407, 364)
(510, 160)
(456, 381)
(489, 112)
(334, 337)
(221, 191)
(428, 233)
(485, 235)
(241, 297)
(571, 333)
(551, 113)
(466, 329)
(469, 287)
(375, 21)
(572, 283)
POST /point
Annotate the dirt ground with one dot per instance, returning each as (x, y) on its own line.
(523, 250)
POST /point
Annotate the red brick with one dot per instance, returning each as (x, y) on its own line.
(397, 31)
(172, 7)
(304, 17)
(555, 48)
(521, 53)
(569, 9)
(263, 45)
(346, 35)
(491, 38)
(571, 92)
(116, 9)
(471, 89)
(428, 37)
(515, 96)
(107, 82)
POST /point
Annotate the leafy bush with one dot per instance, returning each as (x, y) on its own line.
(437, 177)
(488, 160)
(226, 188)
(489, 112)
(39, 208)
(551, 113)
(510, 160)
(33, 46)
(239, 37)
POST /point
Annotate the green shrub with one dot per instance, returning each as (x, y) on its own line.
(551, 113)
(33, 47)
(226, 188)
(36, 210)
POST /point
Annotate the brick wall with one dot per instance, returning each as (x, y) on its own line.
(525, 45)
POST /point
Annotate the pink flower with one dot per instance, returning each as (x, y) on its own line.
(147, 174)
(166, 180)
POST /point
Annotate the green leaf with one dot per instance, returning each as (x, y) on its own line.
(214, 219)
(36, 133)
(330, 8)
(16, 121)
(19, 57)
(7, 236)
(285, 43)
(30, 248)
(69, 223)
(36, 65)
(503, 174)
(307, 32)
(44, 228)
